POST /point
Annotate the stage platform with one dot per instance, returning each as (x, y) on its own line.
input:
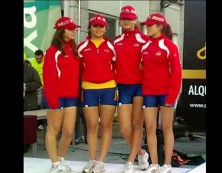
(37, 165)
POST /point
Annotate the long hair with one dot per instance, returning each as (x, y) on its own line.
(167, 31)
(59, 42)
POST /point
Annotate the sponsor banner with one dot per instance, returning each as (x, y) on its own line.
(192, 102)
(39, 19)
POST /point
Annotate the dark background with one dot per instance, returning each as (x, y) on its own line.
(194, 40)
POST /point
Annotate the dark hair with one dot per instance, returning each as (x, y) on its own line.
(39, 52)
(28, 62)
(58, 41)
(167, 31)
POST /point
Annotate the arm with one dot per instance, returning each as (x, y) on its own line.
(50, 75)
(176, 74)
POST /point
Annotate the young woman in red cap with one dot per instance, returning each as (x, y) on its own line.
(61, 87)
(129, 83)
(99, 91)
(161, 86)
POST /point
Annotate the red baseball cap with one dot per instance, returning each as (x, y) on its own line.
(155, 18)
(65, 23)
(98, 19)
(128, 12)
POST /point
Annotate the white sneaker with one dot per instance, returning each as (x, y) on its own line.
(58, 169)
(67, 168)
(40, 127)
(152, 169)
(89, 166)
(143, 160)
(165, 169)
(129, 168)
(98, 168)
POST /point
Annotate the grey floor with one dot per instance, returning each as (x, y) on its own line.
(119, 149)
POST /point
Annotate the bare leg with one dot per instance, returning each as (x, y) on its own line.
(106, 115)
(167, 115)
(54, 122)
(150, 115)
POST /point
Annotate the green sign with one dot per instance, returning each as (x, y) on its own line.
(39, 19)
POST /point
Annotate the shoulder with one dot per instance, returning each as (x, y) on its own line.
(140, 34)
(108, 41)
(169, 43)
(140, 37)
(51, 51)
(118, 36)
(83, 43)
(144, 36)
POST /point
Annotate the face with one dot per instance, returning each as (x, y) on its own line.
(154, 30)
(39, 58)
(128, 24)
(69, 34)
(97, 31)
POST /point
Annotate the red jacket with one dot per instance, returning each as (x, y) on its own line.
(161, 68)
(60, 75)
(97, 62)
(128, 56)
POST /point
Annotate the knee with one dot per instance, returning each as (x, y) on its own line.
(92, 127)
(151, 129)
(138, 125)
(53, 131)
(68, 133)
(106, 127)
(167, 128)
(125, 131)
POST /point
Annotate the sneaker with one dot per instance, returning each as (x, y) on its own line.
(98, 168)
(80, 139)
(129, 168)
(58, 169)
(89, 166)
(165, 169)
(65, 165)
(143, 160)
(40, 127)
(152, 169)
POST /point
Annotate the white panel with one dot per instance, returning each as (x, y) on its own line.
(113, 7)
(106, 7)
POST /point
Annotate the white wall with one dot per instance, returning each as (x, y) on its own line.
(113, 7)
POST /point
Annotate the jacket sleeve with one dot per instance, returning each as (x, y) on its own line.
(176, 74)
(36, 81)
(50, 76)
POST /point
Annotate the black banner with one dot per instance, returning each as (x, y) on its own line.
(192, 102)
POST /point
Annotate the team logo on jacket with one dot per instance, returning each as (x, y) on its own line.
(158, 53)
(106, 50)
(145, 53)
(119, 44)
(136, 45)
(87, 49)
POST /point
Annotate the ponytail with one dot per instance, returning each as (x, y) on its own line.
(167, 31)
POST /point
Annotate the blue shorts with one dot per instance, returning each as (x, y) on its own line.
(154, 101)
(96, 97)
(128, 91)
(64, 102)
